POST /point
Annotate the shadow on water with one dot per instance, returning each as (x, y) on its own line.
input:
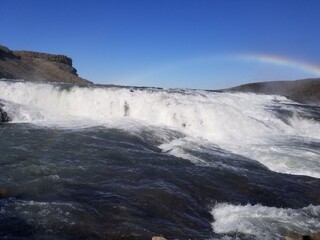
(102, 183)
(286, 111)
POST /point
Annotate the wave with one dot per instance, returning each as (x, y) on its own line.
(265, 222)
(278, 133)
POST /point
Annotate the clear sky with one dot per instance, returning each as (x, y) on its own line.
(171, 43)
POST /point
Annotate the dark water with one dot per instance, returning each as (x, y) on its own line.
(104, 183)
(131, 163)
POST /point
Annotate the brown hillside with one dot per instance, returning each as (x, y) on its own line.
(35, 66)
(302, 91)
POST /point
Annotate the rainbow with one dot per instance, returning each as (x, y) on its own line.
(303, 66)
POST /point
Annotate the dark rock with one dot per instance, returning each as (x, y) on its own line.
(36, 66)
(4, 49)
(6, 53)
(4, 117)
(126, 109)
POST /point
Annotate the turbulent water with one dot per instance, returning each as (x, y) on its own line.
(130, 163)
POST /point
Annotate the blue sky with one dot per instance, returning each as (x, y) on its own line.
(169, 43)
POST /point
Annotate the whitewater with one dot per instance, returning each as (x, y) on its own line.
(194, 164)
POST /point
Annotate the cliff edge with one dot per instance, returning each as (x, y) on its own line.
(35, 66)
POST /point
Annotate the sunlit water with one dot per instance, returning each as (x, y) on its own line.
(129, 163)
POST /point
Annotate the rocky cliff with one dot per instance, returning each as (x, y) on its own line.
(302, 91)
(35, 66)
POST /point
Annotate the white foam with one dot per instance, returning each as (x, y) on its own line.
(265, 222)
(283, 157)
(238, 122)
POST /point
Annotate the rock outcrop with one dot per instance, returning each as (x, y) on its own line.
(35, 66)
(158, 238)
(4, 117)
(296, 236)
(302, 91)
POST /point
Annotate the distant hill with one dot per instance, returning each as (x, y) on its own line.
(302, 91)
(35, 66)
